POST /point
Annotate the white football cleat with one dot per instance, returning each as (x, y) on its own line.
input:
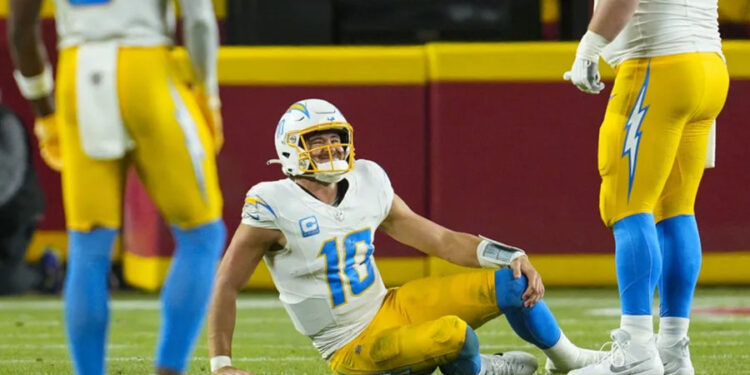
(626, 358)
(509, 363)
(583, 358)
(676, 358)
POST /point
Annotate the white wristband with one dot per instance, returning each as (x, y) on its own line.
(220, 361)
(494, 254)
(591, 46)
(35, 87)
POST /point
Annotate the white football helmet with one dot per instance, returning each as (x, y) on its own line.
(301, 119)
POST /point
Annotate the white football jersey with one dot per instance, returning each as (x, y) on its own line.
(326, 275)
(667, 27)
(142, 23)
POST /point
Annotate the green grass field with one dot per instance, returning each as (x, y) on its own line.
(32, 339)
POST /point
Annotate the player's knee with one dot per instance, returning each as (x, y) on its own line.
(449, 332)
(508, 290)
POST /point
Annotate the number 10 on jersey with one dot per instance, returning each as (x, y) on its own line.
(352, 278)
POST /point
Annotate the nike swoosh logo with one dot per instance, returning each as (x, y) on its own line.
(623, 370)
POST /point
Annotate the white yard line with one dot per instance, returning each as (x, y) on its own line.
(280, 319)
(702, 316)
(243, 303)
(723, 332)
(265, 358)
(60, 335)
(717, 343)
(193, 359)
(272, 302)
(61, 346)
(35, 323)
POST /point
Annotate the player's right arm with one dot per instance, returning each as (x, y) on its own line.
(610, 17)
(412, 229)
(245, 251)
(34, 75)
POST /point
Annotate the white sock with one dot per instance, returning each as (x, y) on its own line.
(672, 330)
(563, 353)
(640, 327)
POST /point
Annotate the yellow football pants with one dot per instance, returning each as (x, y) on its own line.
(421, 325)
(653, 140)
(186, 195)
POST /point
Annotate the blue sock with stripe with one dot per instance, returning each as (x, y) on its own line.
(681, 252)
(86, 298)
(186, 292)
(468, 361)
(534, 324)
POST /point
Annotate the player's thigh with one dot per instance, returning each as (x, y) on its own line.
(409, 348)
(92, 189)
(469, 295)
(639, 137)
(681, 188)
(174, 156)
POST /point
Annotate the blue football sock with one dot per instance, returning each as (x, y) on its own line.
(535, 324)
(468, 361)
(638, 262)
(86, 298)
(681, 252)
(186, 292)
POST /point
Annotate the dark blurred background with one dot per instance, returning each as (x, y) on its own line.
(304, 22)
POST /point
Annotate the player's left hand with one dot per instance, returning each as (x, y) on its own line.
(210, 106)
(47, 133)
(585, 75)
(585, 71)
(535, 289)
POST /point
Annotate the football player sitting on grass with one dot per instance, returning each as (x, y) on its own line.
(315, 230)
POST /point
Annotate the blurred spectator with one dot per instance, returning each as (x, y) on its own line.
(21, 207)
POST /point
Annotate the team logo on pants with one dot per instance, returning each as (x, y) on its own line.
(633, 131)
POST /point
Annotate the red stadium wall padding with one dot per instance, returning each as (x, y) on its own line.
(723, 206)
(517, 161)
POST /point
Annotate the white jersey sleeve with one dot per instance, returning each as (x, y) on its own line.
(381, 179)
(257, 211)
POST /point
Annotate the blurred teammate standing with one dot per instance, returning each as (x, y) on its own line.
(671, 84)
(120, 101)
